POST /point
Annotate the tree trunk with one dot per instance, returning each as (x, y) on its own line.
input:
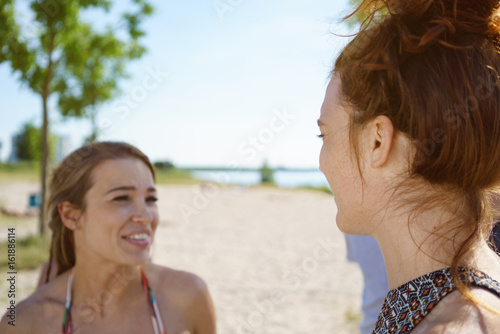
(45, 133)
(45, 159)
(93, 120)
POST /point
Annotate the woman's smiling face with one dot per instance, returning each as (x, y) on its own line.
(120, 216)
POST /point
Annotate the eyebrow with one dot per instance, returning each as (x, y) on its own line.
(320, 123)
(151, 189)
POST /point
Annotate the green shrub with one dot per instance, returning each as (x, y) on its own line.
(31, 252)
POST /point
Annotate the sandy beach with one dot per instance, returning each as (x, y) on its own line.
(273, 259)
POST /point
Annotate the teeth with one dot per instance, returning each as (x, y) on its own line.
(141, 236)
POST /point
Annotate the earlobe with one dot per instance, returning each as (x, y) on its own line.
(69, 215)
(382, 138)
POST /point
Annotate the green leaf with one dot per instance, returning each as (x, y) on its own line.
(68, 58)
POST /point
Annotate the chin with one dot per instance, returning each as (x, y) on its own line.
(143, 258)
(348, 226)
(341, 224)
(135, 259)
(340, 218)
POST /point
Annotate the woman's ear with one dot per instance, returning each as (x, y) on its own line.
(70, 215)
(381, 140)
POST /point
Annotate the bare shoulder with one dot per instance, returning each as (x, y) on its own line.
(456, 314)
(171, 281)
(459, 314)
(187, 294)
(26, 316)
(36, 314)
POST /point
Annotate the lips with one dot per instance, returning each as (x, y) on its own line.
(140, 239)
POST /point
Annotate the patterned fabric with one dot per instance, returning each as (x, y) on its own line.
(155, 312)
(405, 307)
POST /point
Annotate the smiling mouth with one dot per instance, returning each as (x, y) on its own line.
(139, 236)
(140, 239)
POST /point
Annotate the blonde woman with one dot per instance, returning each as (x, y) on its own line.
(103, 215)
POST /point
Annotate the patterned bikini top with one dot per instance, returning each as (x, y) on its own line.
(405, 307)
(155, 312)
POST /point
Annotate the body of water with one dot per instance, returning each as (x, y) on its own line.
(282, 178)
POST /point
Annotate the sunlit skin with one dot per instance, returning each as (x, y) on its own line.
(335, 159)
(340, 167)
(108, 296)
(118, 205)
(366, 208)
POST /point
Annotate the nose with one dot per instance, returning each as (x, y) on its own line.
(142, 214)
(141, 219)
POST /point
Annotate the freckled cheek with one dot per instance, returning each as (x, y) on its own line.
(325, 157)
(322, 159)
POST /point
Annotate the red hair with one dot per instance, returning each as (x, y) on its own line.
(433, 68)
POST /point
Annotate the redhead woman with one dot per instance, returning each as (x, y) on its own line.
(411, 149)
(103, 215)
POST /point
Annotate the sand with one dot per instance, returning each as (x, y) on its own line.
(273, 259)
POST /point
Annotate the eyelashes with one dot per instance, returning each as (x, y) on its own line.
(321, 136)
(152, 199)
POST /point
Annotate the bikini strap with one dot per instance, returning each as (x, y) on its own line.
(66, 328)
(155, 312)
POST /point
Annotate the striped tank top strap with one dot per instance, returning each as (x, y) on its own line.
(155, 311)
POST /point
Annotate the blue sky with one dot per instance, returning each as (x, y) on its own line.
(233, 86)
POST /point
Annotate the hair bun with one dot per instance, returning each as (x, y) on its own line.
(440, 20)
(425, 22)
(483, 8)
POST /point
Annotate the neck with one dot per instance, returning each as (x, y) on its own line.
(416, 245)
(99, 289)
